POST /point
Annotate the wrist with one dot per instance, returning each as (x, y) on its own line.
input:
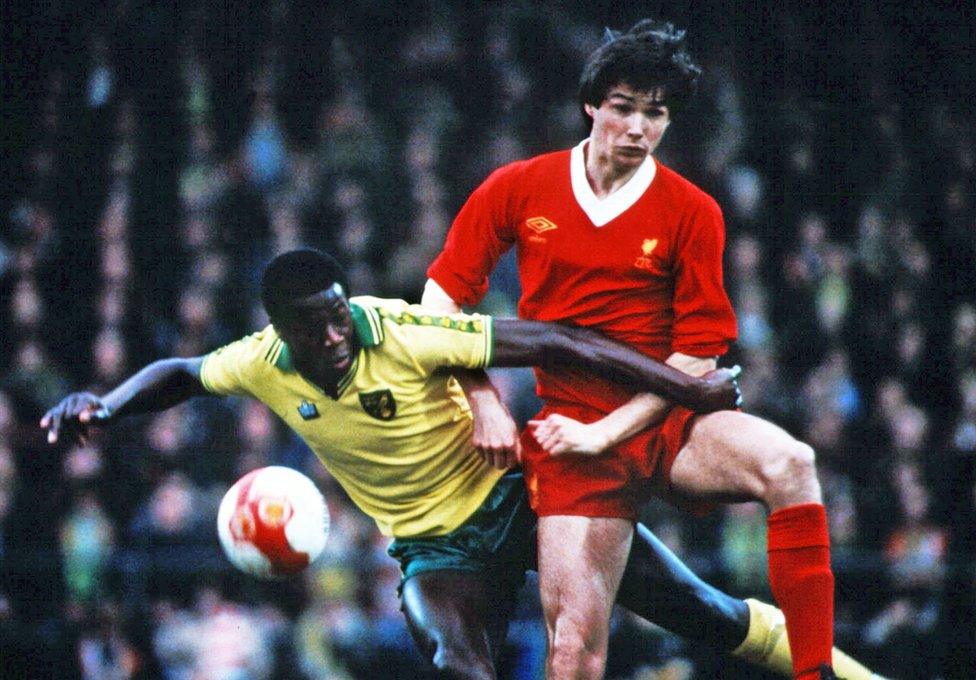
(693, 392)
(482, 393)
(604, 434)
(606, 440)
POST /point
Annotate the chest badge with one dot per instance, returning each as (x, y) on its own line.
(379, 404)
(308, 411)
(644, 261)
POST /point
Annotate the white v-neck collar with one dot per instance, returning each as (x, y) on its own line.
(600, 211)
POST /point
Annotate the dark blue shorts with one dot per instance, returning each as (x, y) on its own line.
(498, 539)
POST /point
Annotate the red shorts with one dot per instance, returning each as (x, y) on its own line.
(613, 484)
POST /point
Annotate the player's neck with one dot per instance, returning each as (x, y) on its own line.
(324, 379)
(605, 176)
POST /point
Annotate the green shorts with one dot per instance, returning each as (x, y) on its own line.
(498, 539)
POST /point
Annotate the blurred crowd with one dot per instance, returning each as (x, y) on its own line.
(157, 154)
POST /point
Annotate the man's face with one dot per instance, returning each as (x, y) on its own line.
(627, 126)
(319, 333)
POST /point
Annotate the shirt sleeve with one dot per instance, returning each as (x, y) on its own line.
(224, 371)
(439, 341)
(704, 323)
(481, 233)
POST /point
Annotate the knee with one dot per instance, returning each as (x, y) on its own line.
(790, 475)
(573, 654)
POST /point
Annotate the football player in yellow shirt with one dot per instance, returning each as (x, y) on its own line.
(360, 380)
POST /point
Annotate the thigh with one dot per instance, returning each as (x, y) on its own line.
(458, 611)
(726, 457)
(581, 560)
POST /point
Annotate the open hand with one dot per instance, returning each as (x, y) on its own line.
(76, 414)
(560, 435)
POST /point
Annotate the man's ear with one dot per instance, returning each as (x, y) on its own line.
(590, 110)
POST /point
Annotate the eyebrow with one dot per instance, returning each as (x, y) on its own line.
(632, 99)
(332, 295)
(328, 299)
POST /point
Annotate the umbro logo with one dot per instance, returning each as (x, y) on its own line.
(539, 224)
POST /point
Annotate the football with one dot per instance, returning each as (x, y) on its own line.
(273, 522)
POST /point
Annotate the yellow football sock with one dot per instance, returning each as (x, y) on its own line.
(766, 645)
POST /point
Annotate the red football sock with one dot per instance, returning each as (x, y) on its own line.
(803, 584)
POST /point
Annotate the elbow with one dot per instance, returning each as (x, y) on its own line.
(176, 366)
(184, 373)
(436, 298)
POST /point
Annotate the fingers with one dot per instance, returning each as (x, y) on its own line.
(501, 455)
(93, 414)
(550, 436)
(497, 440)
(728, 393)
(52, 421)
(542, 431)
(76, 411)
(500, 459)
(735, 372)
(61, 417)
(100, 415)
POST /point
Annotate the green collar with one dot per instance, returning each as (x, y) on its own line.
(365, 323)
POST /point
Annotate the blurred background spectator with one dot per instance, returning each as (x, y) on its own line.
(155, 155)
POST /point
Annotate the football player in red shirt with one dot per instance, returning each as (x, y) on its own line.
(609, 238)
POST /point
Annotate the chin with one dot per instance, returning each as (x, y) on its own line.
(629, 162)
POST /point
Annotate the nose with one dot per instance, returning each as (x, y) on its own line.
(333, 335)
(635, 126)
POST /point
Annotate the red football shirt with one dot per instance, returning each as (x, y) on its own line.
(643, 265)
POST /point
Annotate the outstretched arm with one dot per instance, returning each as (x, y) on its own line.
(156, 387)
(528, 343)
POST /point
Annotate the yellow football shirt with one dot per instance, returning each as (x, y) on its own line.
(398, 438)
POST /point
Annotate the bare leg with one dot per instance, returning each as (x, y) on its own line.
(577, 612)
(458, 621)
(733, 456)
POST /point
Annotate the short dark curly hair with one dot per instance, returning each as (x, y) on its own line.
(651, 54)
(297, 274)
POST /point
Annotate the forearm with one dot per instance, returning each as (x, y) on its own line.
(642, 411)
(520, 343)
(647, 409)
(156, 387)
(477, 386)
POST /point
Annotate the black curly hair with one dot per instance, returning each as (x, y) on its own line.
(650, 55)
(297, 274)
